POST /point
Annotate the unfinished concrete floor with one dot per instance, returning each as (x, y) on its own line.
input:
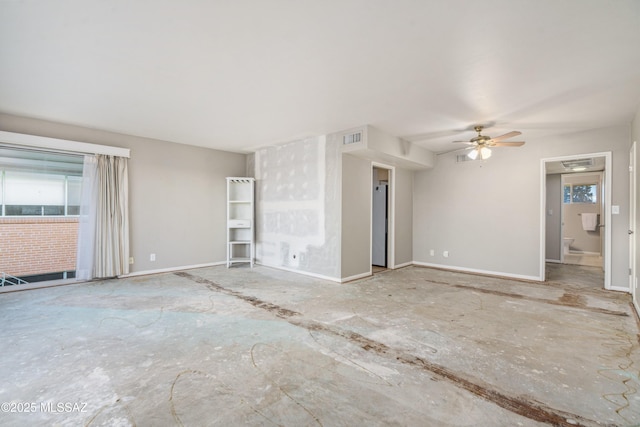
(241, 346)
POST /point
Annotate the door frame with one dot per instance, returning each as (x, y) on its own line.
(606, 178)
(562, 183)
(391, 210)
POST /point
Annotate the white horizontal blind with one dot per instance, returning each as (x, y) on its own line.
(74, 190)
(26, 188)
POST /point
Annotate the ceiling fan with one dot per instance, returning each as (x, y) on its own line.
(481, 143)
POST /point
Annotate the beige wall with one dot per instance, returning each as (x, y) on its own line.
(356, 216)
(403, 216)
(487, 213)
(553, 220)
(177, 193)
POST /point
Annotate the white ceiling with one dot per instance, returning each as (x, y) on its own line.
(240, 74)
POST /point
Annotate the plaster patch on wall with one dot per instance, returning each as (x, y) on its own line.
(292, 206)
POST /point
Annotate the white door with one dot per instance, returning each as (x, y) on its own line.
(633, 281)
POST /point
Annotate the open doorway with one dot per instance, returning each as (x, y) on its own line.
(381, 218)
(576, 209)
(582, 213)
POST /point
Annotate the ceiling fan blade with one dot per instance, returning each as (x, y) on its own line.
(507, 135)
(508, 144)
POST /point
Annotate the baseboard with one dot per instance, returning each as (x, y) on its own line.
(478, 271)
(405, 264)
(171, 269)
(620, 289)
(304, 273)
(556, 261)
(355, 277)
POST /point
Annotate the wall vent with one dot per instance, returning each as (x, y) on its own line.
(352, 138)
(570, 164)
(463, 158)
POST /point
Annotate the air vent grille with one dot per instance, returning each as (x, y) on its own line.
(352, 138)
(570, 164)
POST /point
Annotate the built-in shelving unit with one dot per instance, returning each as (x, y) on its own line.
(240, 220)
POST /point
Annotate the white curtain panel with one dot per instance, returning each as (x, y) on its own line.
(112, 217)
(87, 220)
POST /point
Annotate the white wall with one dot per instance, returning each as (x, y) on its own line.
(487, 213)
(177, 193)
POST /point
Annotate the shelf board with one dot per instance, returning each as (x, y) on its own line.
(240, 242)
(239, 259)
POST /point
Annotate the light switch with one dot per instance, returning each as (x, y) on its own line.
(615, 209)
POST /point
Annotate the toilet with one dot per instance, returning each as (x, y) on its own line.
(567, 242)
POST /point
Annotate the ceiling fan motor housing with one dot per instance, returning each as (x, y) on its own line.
(480, 139)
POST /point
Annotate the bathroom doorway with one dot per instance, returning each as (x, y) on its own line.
(575, 212)
(582, 211)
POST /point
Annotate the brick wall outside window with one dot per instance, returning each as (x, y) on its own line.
(38, 245)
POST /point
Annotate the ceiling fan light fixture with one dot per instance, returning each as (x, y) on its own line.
(481, 143)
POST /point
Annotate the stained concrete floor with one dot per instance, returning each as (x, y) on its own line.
(241, 346)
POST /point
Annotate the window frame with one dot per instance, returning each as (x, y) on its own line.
(571, 193)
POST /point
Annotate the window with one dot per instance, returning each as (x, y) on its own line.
(580, 193)
(39, 184)
(74, 194)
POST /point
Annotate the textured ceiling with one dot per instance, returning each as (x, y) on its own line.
(237, 75)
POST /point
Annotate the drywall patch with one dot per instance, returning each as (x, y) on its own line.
(292, 205)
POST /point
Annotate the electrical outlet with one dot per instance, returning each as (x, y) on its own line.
(130, 260)
(432, 252)
(152, 257)
(445, 254)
